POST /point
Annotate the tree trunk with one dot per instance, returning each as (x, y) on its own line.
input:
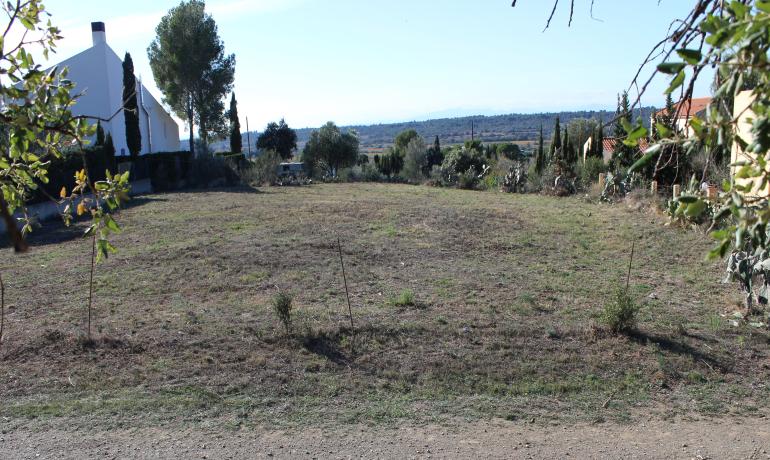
(204, 137)
(191, 119)
(19, 245)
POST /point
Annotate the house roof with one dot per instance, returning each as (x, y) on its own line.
(689, 107)
(609, 144)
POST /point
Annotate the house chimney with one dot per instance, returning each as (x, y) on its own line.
(97, 31)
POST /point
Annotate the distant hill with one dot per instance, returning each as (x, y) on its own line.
(520, 128)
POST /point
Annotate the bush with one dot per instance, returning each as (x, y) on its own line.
(207, 171)
(263, 170)
(282, 307)
(415, 160)
(461, 160)
(620, 314)
(363, 173)
(588, 172)
(468, 180)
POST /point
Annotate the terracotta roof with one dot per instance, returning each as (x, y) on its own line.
(609, 144)
(690, 107)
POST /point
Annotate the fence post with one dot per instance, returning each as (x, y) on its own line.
(712, 193)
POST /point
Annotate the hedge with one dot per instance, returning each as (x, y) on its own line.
(61, 172)
(164, 169)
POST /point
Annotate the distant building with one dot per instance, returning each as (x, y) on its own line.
(608, 147)
(685, 111)
(745, 117)
(98, 73)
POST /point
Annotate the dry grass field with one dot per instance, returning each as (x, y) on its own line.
(503, 323)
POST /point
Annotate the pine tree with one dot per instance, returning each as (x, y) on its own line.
(99, 134)
(623, 156)
(131, 108)
(556, 142)
(236, 141)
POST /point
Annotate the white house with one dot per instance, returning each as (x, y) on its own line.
(98, 74)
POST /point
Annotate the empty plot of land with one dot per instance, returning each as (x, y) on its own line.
(503, 324)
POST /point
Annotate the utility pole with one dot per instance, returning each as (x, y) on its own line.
(248, 136)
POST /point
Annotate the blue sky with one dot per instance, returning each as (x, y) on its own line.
(369, 61)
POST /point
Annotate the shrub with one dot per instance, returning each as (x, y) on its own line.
(263, 170)
(415, 160)
(207, 171)
(282, 307)
(620, 314)
(461, 160)
(363, 173)
(467, 180)
(588, 172)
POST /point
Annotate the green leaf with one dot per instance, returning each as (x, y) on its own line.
(111, 224)
(633, 137)
(642, 162)
(687, 199)
(695, 209)
(662, 129)
(690, 56)
(676, 82)
(671, 68)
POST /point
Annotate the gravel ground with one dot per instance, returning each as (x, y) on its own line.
(705, 439)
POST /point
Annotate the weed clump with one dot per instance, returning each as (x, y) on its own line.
(620, 314)
(282, 305)
(405, 299)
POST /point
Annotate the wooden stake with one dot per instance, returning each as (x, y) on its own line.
(91, 282)
(2, 309)
(630, 261)
(345, 278)
(601, 181)
(712, 193)
(654, 187)
(677, 188)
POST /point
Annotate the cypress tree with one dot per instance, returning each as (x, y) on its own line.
(99, 134)
(436, 145)
(540, 154)
(566, 149)
(109, 146)
(556, 142)
(623, 156)
(599, 144)
(236, 141)
(131, 108)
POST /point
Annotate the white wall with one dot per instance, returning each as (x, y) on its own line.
(98, 73)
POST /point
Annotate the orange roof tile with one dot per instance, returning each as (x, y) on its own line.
(689, 108)
(609, 144)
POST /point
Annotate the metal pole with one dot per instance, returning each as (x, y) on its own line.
(345, 278)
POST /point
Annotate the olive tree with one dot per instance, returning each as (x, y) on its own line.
(329, 149)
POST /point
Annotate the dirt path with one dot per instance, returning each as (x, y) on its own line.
(731, 438)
